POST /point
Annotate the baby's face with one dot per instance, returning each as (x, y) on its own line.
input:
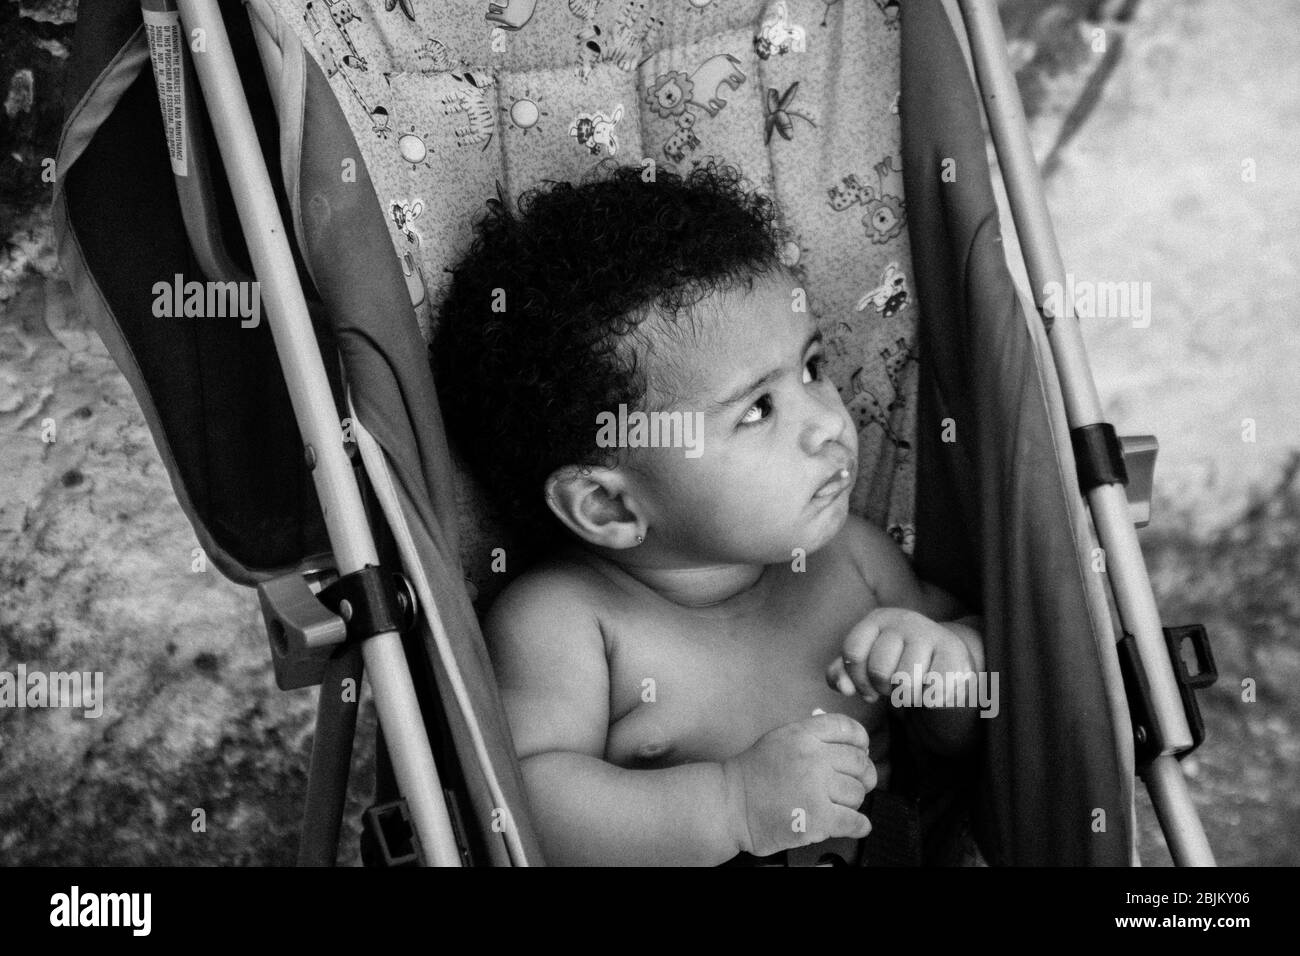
(775, 433)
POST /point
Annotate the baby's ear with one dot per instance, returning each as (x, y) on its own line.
(589, 501)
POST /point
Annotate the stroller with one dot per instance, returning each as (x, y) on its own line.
(335, 153)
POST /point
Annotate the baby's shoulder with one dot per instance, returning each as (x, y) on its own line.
(558, 594)
(889, 572)
(872, 552)
(548, 652)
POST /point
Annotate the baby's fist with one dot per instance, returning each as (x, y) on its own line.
(890, 641)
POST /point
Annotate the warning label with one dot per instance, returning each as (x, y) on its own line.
(167, 51)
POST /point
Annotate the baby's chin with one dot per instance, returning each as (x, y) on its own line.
(807, 537)
(828, 523)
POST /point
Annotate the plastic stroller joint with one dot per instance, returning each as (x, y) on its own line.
(307, 626)
(1194, 669)
(1098, 455)
(302, 632)
(1139, 466)
(371, 601)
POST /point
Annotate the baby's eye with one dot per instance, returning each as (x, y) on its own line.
(816, 363)
(764, 404)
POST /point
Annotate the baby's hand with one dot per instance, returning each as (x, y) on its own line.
(801, 783)
(893, 640)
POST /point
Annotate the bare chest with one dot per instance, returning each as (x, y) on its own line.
(685, 687)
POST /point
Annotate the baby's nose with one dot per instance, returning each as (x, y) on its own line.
(827, 421)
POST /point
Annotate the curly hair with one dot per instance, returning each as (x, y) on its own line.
(538, 331)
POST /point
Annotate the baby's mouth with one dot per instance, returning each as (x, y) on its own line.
(836, 485)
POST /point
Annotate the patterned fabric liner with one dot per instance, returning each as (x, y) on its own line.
(802, 96)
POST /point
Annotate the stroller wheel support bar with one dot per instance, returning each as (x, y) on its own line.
(1166, 718)
(304, 370)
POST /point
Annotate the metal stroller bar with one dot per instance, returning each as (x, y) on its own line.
(331, 756)
(350, 535)
(1108, 503)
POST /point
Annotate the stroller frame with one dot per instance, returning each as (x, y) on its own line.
(349, 532)
(1165, 730)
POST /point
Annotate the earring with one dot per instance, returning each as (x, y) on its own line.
(639, 539)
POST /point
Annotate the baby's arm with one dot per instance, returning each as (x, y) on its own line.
(896, 586)
(549, 657)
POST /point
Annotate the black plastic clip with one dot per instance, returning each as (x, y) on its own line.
(1098, 455)
(1189, 649)
(388, 832)
(388, 839)
(371, 601)
(1194, 669)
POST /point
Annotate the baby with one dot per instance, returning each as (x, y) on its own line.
(701, 663)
